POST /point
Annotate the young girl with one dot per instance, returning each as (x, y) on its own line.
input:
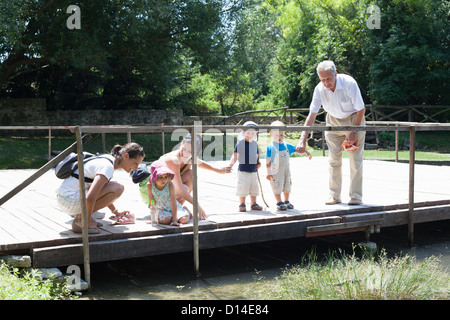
(101, 192)
(180, 162)
(161, 189)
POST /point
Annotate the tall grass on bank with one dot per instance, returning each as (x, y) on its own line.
(347, 277)
(15, 285)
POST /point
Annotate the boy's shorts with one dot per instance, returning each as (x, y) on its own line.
(281, 180)
(247, 184)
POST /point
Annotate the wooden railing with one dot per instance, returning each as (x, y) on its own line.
(197, 128)
(411, 113)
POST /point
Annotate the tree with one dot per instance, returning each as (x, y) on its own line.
(406, 61)
(220, 55)
(124, 56)
(410, 53)
(241, 78)
(314, 31)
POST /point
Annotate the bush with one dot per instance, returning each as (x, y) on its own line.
(15, 285)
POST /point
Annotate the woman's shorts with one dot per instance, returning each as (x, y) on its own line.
(69, 203)
(247, 184)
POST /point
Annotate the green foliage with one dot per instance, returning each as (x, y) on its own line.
(409, 54)
(313, 31)
(221, 56)
(15, 285)
(124, 56)
(406, 61)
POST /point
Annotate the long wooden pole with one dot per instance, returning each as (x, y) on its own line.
(195, 199)
(84, 218)
(49, 143)
(396, 144)
(412, 146)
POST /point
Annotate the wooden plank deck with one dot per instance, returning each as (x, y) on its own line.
(31, 222)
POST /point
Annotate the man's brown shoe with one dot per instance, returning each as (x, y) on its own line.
(354, 201)
(332, 201)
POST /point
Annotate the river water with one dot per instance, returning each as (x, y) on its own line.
(230, 273)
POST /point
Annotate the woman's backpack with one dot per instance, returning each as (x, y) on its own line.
(67, 167)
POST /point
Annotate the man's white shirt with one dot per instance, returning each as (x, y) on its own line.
(343, 102)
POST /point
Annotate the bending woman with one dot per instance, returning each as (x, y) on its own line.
(101, 192)
(180, 162)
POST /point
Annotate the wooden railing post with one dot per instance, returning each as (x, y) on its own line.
(396, 144)
(412, 143)
(194, 153)
(103, 142)
(49, 143)
(84, 217)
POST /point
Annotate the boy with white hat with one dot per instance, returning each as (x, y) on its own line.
(246, 152)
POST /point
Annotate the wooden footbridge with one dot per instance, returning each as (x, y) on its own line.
(394, 194)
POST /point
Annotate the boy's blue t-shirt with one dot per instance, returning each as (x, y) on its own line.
(273, 147)
(248, 155)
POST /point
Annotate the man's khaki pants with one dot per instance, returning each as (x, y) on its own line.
(334, 141)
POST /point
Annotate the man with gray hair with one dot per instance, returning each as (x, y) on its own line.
(340, 97)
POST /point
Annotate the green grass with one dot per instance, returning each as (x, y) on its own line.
(433, 147)
(25, 286)
(437, 141)
(32, 152)
(403, 155)
(347, 277)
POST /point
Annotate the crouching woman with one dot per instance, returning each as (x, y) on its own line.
(102, 192)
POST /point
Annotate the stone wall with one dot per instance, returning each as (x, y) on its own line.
(116, 117)
(33, 112)
(23, 112)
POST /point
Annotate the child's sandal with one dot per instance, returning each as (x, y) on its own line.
(117, 217)
(289, 205)
(242, 207)
(281, 206)
(127, 218)
(256, 206)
